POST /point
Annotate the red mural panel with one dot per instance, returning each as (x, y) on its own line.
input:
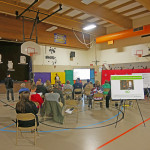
(107, 73)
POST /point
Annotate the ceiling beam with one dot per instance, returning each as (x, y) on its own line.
(89, 18)
(66, 12)
(145, 3)
(123, 5)
(17, 1)
(38, 3)
(79, 15)
(140, 13)
(107, 2)
(100, 12)
(132, 9)
(9, 7)
(53, 8)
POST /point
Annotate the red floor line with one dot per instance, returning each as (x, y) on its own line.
(122, 134)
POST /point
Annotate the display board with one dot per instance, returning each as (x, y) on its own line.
(83, 74)
(127, 87)
(61, 76)
(146, 79)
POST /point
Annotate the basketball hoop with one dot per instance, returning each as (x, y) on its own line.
(31, 51)
(139, 55)
(31, 54)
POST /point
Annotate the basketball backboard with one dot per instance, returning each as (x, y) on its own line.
(30, 48)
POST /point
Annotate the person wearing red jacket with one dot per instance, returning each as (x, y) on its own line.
(35, 97)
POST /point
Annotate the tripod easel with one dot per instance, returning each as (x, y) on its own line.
(122, 102)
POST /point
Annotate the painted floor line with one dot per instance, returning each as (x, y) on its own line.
(122, 134)
(3, 129)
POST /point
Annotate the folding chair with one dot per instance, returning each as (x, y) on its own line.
(98, 97)
(77, 93)
(87, 93)
(26, 117)
(68, 94)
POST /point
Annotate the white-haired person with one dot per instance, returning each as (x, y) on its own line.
(23, 88)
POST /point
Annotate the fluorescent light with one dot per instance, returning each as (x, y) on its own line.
(87, 1)
(89, 27)
(52, 28)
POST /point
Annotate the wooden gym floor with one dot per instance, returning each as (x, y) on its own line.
(92, 132)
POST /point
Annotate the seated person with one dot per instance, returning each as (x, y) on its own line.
(88, 81)
(106, 86)
(97, 89)
(77, 85)
(87, 89)
(50, 96)
(40, 88)
(40, 80)
(23, 88)
(35, 97)
(57, 90)
(60, 85)
(89, 85)
(52, 106)
(48, 84)
(68, 86)
(26, 106)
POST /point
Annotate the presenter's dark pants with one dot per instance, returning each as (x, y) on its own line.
(107, 100)
(12, 94)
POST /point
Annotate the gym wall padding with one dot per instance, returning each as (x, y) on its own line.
(60, 74)
(69, 76)
(43, 76)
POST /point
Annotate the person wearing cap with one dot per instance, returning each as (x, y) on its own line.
(88, 81)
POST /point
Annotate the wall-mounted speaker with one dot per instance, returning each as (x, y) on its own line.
(72, 54)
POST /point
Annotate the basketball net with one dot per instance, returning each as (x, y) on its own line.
(139, 55)
(31, 54)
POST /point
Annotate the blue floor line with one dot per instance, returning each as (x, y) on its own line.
(3, 129)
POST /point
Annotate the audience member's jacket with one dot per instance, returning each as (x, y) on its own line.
(77, 85)
(56, 90)
(30, 107)
(41, 89)
(37, 98)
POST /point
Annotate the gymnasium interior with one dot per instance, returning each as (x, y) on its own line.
(42, 38)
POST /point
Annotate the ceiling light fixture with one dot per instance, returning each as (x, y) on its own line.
(89, 27)
(52, 28)
(87, 1)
